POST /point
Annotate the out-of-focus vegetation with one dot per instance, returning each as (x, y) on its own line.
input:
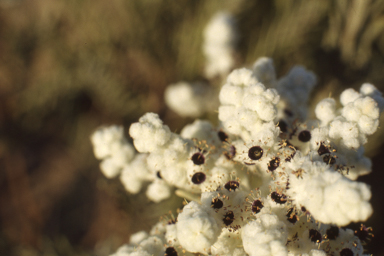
(67, 67)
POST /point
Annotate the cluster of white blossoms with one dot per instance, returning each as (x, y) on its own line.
(267, 181)
(220, 40)
(219, 47)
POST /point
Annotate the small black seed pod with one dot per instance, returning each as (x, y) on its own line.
(328, 159)
(229, 217)
(158, 174)
(222, 136)
(273, 164)
(217, 203)
(292, 217)
(257, 205)
(255, 153)
(198, 178)
(170, 251)
(305, 136)
(315, 236)
(283, 126)
(323, 150)
(232, 185)
(362, 233)
(346, 252)
(198, 159)
(332, 233)
(278, 198)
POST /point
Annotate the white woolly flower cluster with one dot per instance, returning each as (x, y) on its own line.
(266, 181)
(190, 99)
(110, 146)
(220, 39)
(195, 99)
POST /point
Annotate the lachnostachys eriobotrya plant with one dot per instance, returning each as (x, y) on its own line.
(266, 181)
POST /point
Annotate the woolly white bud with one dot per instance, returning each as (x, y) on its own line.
(348, 95)
(197, 230)
(265, 71)
(326, 110)
(265, 236)
(189, 100)
(149, 133)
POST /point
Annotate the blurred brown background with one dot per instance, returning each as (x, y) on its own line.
(67, 67)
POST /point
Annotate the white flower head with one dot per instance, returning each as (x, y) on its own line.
(197, 229)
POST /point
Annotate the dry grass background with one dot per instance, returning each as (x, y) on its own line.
(67, 67)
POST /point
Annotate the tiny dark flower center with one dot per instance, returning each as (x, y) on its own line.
(257, 205)
(315, 236)
(273, 164)
(232, 185)
(292, 217)
(198, 159)
(332, 233)
(362, 233)
(222, 136)
(229, 217)
(278, 198)
(255, 153)
(198, 178)
(346, 252)
(328, 159)
(217, 203)
(323, 150)
(283, 126)
(305, 136)
(170, 251)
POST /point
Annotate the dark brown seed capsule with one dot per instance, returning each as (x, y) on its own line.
(283, 126)
(273, 164)
(170, 251)
(217, 203)
(346, 252)
(198, 178)
(222, 136)
(257, 205)
(332, 233)
(232, 185)
(315, 236)
(255, 153)
(328, 159)
(278, 198)
(363, 233)
(292, 217)
(158, 174)
(305, 136)
(229, 217)
(323, 150)
(198, 159)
